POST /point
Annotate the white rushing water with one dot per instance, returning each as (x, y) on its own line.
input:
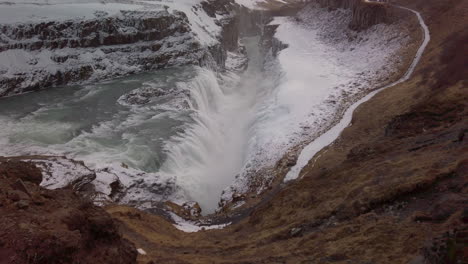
(212, 150)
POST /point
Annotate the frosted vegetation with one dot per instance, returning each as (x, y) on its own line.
(193, 133)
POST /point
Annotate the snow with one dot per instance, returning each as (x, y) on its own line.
(60, 172)
(325, 68)
(331, 135)
(25, 11)
(204, 26)
(31, 67)
(192, 226)
(255, 4)
(141, 251)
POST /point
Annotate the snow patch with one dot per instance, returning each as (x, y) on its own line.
(141, 251)
(192, 226)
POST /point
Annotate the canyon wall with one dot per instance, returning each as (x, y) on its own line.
(44, 54)
(40, 54)
(365, 14)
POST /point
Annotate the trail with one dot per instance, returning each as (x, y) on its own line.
(331, 135)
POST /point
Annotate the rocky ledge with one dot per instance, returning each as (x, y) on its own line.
(54, 226)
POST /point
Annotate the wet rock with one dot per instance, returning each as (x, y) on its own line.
(237, 197)
(116, 189)
(188, 210)
(194, 208)
(144, 95)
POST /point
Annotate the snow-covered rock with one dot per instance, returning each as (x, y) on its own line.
(51, 43)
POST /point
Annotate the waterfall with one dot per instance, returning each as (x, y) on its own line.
(206, 157)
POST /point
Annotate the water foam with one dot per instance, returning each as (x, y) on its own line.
(208, 155)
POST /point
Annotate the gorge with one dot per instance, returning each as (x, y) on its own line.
(202, 115)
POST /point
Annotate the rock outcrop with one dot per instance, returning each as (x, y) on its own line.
(54, 226)
(365, 14)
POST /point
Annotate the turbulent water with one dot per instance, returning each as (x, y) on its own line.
(194, 130)
(212, 150)
(192, 133)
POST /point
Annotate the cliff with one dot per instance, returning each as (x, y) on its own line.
(53, 51)
(365, 14)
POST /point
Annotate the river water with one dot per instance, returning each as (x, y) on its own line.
(195, 131)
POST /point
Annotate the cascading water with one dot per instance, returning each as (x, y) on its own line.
(186, 125)
(206, 157)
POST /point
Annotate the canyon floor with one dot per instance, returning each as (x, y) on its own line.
(393, 188)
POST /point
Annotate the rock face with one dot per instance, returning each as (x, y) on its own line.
(365, 14)
(40, 54)
(53, 226)
(63, 52)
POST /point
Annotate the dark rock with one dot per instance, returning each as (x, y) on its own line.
(22, 204)
(76, 230)
(21, 170)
